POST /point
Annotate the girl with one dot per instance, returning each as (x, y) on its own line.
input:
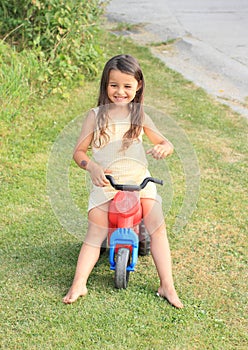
(114, 132)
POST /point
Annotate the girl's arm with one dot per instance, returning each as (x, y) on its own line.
(84, 141)
(162, 147)
(80, 152)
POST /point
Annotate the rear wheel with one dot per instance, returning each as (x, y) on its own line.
(103, 246)
(144, 240)
(121, 273)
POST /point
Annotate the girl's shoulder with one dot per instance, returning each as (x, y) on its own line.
(90, 120)
(95, 110)
(92, 114)
(147, 121)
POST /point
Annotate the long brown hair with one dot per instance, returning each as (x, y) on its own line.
(128, 65)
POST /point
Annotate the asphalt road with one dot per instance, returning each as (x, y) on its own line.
(211, 46)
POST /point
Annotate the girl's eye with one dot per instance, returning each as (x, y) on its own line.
(115, 85)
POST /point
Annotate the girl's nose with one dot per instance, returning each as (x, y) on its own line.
(120, 90)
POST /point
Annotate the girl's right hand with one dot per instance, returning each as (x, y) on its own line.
(97, 174)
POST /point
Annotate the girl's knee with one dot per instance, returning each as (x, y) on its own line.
(96, 234)
(97, 225)
(158, 233)
(153, 215)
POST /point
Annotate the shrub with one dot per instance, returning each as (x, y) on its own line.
(61, 33)
(19, 79)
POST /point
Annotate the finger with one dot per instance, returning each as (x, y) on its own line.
(156, 154)
(149, 151)
(105, 181)
(107, 171)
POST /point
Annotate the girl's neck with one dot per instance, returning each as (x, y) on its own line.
(117, 112)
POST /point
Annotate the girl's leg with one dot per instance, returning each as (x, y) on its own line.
(89, 253)
(154, 222)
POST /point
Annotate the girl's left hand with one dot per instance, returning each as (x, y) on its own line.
(160, 151)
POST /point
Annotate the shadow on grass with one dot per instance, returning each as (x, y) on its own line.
(53, 266)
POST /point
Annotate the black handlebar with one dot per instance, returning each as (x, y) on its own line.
(132, 188)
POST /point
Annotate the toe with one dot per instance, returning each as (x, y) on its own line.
(172, 299)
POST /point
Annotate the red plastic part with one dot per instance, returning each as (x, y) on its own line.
(125, 210)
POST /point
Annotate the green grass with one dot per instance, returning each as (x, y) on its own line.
(209, 254)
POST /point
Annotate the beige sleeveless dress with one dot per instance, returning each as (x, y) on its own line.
(126, 166)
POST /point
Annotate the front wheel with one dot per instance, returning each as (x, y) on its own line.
(121, 273)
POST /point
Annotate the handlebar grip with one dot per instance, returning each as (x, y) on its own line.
(150, 179)
(158, 181)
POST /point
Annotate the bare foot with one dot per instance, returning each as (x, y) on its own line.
(171, 296)
(74, 293)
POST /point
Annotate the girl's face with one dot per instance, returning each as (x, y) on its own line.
(122, 87)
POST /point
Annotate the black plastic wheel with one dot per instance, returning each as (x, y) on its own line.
(103, 246)
(144, 240)
(121, 273)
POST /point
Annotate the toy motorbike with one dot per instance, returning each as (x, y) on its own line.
(127, 236)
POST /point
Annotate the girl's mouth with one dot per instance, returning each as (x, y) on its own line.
(120, 98)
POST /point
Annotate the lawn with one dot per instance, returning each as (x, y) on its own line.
(206, 218)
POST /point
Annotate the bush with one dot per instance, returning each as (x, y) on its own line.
(19, 79)
(61, 33)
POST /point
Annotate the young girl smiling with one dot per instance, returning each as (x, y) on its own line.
(114, 132)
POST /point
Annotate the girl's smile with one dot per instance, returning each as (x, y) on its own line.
(122, 87)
